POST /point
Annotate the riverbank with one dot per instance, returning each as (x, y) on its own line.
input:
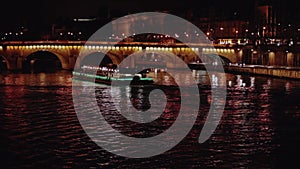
(281, 72)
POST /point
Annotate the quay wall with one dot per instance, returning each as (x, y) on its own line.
(282, 72)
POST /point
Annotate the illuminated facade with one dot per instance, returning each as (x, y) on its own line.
(266, 21)
(225, 32)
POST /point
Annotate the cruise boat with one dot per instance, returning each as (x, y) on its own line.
(106, 75)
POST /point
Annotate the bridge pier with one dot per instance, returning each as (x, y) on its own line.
(13, 62)
(72, 61)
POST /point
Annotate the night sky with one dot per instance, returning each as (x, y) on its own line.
(30, 12)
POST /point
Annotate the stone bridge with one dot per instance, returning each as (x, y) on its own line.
(69, 53)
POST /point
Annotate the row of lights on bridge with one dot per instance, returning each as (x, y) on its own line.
(218, 50)
(170, 49)
(92, 47)
(42, 47)
(87, 47)
(134, 48)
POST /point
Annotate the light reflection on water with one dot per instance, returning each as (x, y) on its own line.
(59, 78)
(39, 128)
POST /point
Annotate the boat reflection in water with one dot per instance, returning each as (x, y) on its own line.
(141, 110)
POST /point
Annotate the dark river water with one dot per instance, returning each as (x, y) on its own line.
(260, 128)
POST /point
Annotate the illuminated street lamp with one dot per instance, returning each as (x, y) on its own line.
(236, 34)
(207, 34)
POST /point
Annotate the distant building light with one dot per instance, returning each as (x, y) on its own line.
(84, 19)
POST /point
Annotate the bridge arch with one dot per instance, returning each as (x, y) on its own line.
(154, 59)
(232, 57)
(43, 60)
(224, 60)
(63, 61)
(94, 57)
